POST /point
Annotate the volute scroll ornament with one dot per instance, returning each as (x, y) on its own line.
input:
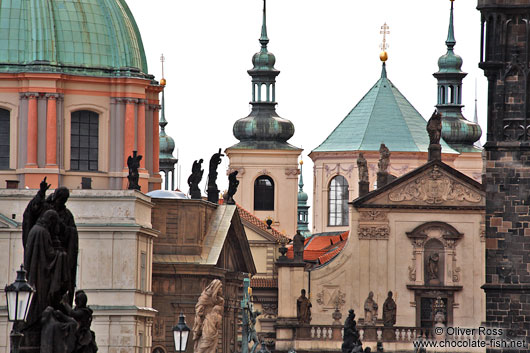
(377, 232)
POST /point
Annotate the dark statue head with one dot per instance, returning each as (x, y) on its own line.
(303, 292)
(390, 294)
(60, 196)
(49, 220)
(81, 299)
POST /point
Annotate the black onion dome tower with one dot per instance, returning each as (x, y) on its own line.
(460, 133)
(263, 128)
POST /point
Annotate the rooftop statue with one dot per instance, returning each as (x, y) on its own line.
(213, 191)
(195, 178)
(133, 162)
(384, 159)
(434, 128)
(233, 183)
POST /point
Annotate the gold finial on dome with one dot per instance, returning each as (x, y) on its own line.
(301, 162)
(385, 29)
(162, 80)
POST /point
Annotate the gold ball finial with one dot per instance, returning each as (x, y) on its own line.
(301, 162)
(383, 56)
(162, 82)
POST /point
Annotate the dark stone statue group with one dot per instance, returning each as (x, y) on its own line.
(50, 240)
(213, 192)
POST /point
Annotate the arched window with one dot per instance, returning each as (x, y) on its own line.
(338, 201)
(442, 95)
(264, 194)
(4, 139)
(84, 141)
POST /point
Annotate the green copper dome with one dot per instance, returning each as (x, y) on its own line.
(85, 37)
(450, 63)
(383, 115)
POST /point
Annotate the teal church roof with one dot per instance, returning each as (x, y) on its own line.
(88, 37)
(383, 115)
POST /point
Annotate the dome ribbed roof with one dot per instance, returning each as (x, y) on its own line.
(87, 37)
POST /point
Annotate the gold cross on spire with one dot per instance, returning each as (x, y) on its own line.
(162, 80)
(162, 59)
(384, 31)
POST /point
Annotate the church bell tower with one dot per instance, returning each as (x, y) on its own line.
(267, 164)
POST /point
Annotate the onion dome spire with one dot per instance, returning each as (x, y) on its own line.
(458, 132)
(263, 128)
(303, 208)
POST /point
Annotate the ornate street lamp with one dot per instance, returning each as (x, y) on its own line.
(180, 334)
(18, 295)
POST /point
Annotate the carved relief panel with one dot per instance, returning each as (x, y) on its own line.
(373, 224)
(331, 298)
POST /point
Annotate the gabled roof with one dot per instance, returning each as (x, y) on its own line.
(434, 185)
(383, 115)
(216, 240)
(260, 226)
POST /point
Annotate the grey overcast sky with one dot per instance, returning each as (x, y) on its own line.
(327, 52)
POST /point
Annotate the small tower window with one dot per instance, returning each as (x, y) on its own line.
(338, 201)
(84, 141)
(442, 95)
(451, 94)
(264, 194)
(4, 138)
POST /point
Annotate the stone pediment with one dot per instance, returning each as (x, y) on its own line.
(433, 185)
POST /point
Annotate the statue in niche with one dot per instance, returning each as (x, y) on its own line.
(389, 311)
(208, 318)
(433, 269)
(50, 241)
(195, 178)
(133, 162)
(384, 159)
(362, 164)
(434, 128)
(213, 192)
(351, 342)
(233, 183)
(370, 310)
(303, 308)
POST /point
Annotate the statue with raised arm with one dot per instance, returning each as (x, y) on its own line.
(213, 192)
(233, 183)
(195, 178)
(208, 318)
(133, 162)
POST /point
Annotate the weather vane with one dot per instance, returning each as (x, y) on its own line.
(384, 31)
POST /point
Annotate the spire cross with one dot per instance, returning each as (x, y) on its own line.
(162, 59)
(385, 29)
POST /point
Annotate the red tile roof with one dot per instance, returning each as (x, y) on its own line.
(257, 282)
(322, 247)
(249, 217)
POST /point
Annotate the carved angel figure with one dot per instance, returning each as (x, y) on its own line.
(208, 318)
